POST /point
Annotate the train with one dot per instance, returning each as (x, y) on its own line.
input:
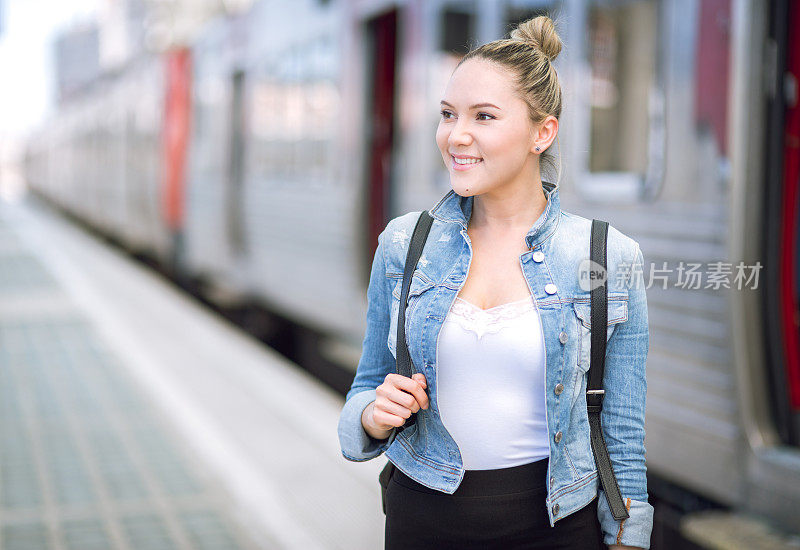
(285, 137)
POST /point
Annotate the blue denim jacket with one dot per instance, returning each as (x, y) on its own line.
(557, 244)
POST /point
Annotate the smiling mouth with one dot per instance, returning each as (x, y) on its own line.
(464, 164)
(466, 161)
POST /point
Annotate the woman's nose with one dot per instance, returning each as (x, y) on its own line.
(459, 135)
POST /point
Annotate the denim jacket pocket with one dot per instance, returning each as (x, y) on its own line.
(419, 284)
(577, 448)
(617, 313)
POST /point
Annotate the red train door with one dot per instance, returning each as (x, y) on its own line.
(381, 49)
(177, 105)
(790, 308)
(781, 226)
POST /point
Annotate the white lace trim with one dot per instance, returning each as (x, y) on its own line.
(492, 320)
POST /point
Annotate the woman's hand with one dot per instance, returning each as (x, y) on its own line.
(396, 399)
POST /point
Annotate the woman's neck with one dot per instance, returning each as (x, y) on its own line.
(503, 211)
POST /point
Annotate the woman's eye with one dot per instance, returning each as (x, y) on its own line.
(445, 114)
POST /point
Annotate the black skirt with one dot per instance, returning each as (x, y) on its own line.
(502, 508)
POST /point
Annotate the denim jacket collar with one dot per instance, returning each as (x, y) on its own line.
(455, 208)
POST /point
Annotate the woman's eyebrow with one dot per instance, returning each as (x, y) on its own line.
(476, 106)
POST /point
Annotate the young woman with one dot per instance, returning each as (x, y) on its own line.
(498, 329)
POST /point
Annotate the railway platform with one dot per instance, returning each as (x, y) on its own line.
(133, 418)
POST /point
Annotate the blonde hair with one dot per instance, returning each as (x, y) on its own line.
(529, 53)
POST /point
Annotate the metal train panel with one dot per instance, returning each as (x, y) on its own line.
(144, 96)
(298, 212)
(693, 431)
(207, 251)
(678, 213)
(150, 116)
(114, 175)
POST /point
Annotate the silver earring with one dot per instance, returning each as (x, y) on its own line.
(537, 148)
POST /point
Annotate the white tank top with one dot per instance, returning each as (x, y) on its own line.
(490, 383)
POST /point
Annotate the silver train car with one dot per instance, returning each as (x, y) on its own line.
(307, 125)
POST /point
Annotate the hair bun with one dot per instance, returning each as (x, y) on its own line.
(539, 32)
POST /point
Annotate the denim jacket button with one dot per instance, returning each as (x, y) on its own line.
(552, 481)
(557, 437)
(563, 337)
(559, 388)
(538, 256)
(550, 288)
(555, 509)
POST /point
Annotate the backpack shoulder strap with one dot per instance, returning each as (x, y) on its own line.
(594, 386)
(599, 316)
(405, 366)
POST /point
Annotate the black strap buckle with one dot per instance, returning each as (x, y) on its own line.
(594, 400)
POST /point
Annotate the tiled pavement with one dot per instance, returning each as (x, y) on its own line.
(132, 417)
(86, 462)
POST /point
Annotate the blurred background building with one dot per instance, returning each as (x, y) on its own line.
(123, 27)
(77, 59)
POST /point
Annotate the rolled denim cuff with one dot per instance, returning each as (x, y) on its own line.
(633, 531)
(357, 445)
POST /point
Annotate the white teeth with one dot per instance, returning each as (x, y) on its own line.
(466, 161)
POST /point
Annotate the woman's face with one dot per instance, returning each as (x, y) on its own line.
(500, 135)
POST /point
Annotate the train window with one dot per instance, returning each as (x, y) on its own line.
(622, 119)
(292, 108)
(457, 29)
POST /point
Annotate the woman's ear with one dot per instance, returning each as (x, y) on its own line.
(544, 134)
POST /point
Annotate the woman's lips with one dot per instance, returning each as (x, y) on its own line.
(463, 167)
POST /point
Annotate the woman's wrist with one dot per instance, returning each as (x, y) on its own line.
(369, 426)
